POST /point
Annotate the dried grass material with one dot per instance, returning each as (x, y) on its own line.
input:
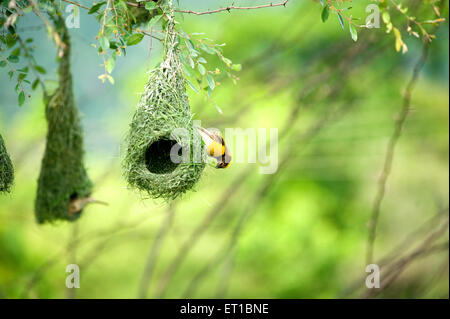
(63, 177)
(163, 107)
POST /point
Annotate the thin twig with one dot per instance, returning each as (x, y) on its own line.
(409, 19)
(104, 17)
(409, 239)
(396, 253)
(235, 186)
(232, 7)
(104, 235)
(227, 255)
(389, 157)
(427, 247)
(301, 139)
(147, 274)
(60, 45)
(229, 8)
(149, 34)
(198, 232)
(77, 4)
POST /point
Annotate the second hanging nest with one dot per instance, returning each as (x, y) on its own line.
(63, 178)
(162, 110)
(6, 169)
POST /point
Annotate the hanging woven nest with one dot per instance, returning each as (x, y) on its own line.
(6, 169)
(163, 109)
(63, 178)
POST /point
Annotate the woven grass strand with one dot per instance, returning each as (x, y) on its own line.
(6, 169)
(63, 176)
(163, 108)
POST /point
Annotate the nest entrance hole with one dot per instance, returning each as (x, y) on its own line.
(157, 156)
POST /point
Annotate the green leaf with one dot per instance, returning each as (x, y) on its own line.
(113, 45)
(207, 49)
(353, 32)
(194, 53)
(211, 82)
(154, 20)
(201, 69)
(103, 77)
(325, 13)
(110, 65)
(186, 71)
(16, 51)
(10, 40)
(236, 67)
(189, 45)
(341, 21)
(104, 43)
(13, 59)
(2, 64)
(21, 98)
(192, 86)
(35, 84)
(111, 79)
(227, 61)
(399, 44)
(150, 5)
(386, 17)
(96, 7)
(135, 39)
(40, 69)
(191, 62)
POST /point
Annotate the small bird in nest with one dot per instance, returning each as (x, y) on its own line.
(215, 147)
(76, 205)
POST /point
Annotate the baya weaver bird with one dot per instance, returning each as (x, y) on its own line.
(215, 147)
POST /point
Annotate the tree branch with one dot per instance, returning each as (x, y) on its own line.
(389, 157)
(428, 246)
(147, 274)
(77, 4)
(229, 8)
(232, 7)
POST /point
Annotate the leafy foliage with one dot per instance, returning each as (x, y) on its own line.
(14, 49)
(126, 23)
(387, 8)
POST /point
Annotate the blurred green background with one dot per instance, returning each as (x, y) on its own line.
(300, 233)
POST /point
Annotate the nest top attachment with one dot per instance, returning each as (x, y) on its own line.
(163, 123)
(6, 169)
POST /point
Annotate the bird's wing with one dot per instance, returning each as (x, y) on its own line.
(207, 137)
